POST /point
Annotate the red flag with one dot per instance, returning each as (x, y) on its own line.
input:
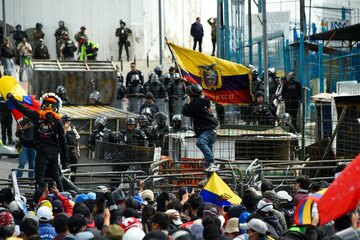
(343, 194)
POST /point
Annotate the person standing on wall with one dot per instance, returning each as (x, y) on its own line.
(197, 32)
(213, 33)
(123, 33)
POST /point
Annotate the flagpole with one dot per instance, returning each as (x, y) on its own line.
(172, 54)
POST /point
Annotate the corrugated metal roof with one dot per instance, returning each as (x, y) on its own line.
(55, 65)
(92, 112)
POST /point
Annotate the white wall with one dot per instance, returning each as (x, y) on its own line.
(101, 18)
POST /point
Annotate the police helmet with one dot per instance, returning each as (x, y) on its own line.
(176, 118)
(177, 76)
(254, 72)
(130, 121)
(61, 23)
(167, 76)
(259, 93)
(158, 70)
(285, 118)
(122, 22)
(100, 122)
(194, 90)
(135, 78)
(38, 25)
(160, 118)
(60, 90)
(50, 101)
(154, 78)
(143, 119)
(94, 96)
(65, 118)
(18, 27)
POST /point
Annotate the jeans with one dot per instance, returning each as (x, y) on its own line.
(24, 67)
(205, 143)
(26, 154)
(9, 66)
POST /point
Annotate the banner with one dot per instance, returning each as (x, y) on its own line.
(9, 84)
(222, 81)
(218, 192)
(343, 195)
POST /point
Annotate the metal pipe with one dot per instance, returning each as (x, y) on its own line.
(4, 20)
(147, 59)
(321, 67)
(121, 65)
(250, 32)
(265, 49)
(160, 34)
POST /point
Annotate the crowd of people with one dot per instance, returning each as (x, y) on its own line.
(111, 214)
(23, 47)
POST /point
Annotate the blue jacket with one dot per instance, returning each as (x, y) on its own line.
(46, 231)
(197, 30)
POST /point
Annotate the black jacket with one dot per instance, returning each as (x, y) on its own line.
(7, 52)
(197, 30)
(49, 134)
(202, 117)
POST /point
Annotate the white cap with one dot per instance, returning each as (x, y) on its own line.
(175, 216)
(14, 207)
(134, 234)
(256, 225)
(265, 205)
(284, 195)
(44, 214)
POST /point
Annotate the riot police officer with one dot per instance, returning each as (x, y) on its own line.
(61, 92)
(158, 70)
(101, 133)
(176, 124)
(263, 112)
(149, 108)
(143, 125)
(160, 130)
(134, 93)
(73, 144)
(176, 95)
(159, 92)
(133, 136)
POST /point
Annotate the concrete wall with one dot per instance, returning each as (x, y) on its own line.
(101, 18)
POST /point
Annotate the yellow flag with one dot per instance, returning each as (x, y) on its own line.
(9, 84)
(218, 192)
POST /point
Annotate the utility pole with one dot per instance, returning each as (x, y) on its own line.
(302, 18)
(160, 35)
(250, 32)
(265, 49)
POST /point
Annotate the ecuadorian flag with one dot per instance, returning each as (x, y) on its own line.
(218, 192)
(303, 212)
(9, 84)
(222, 81)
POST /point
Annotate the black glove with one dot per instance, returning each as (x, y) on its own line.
(110, 197)
(9, 95)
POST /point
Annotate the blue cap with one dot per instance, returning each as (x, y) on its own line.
(91, 196)
(81, 198)
(140, 201)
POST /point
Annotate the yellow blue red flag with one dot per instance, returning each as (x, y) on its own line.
(222, 81)
(218, 192)
(9, 84)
